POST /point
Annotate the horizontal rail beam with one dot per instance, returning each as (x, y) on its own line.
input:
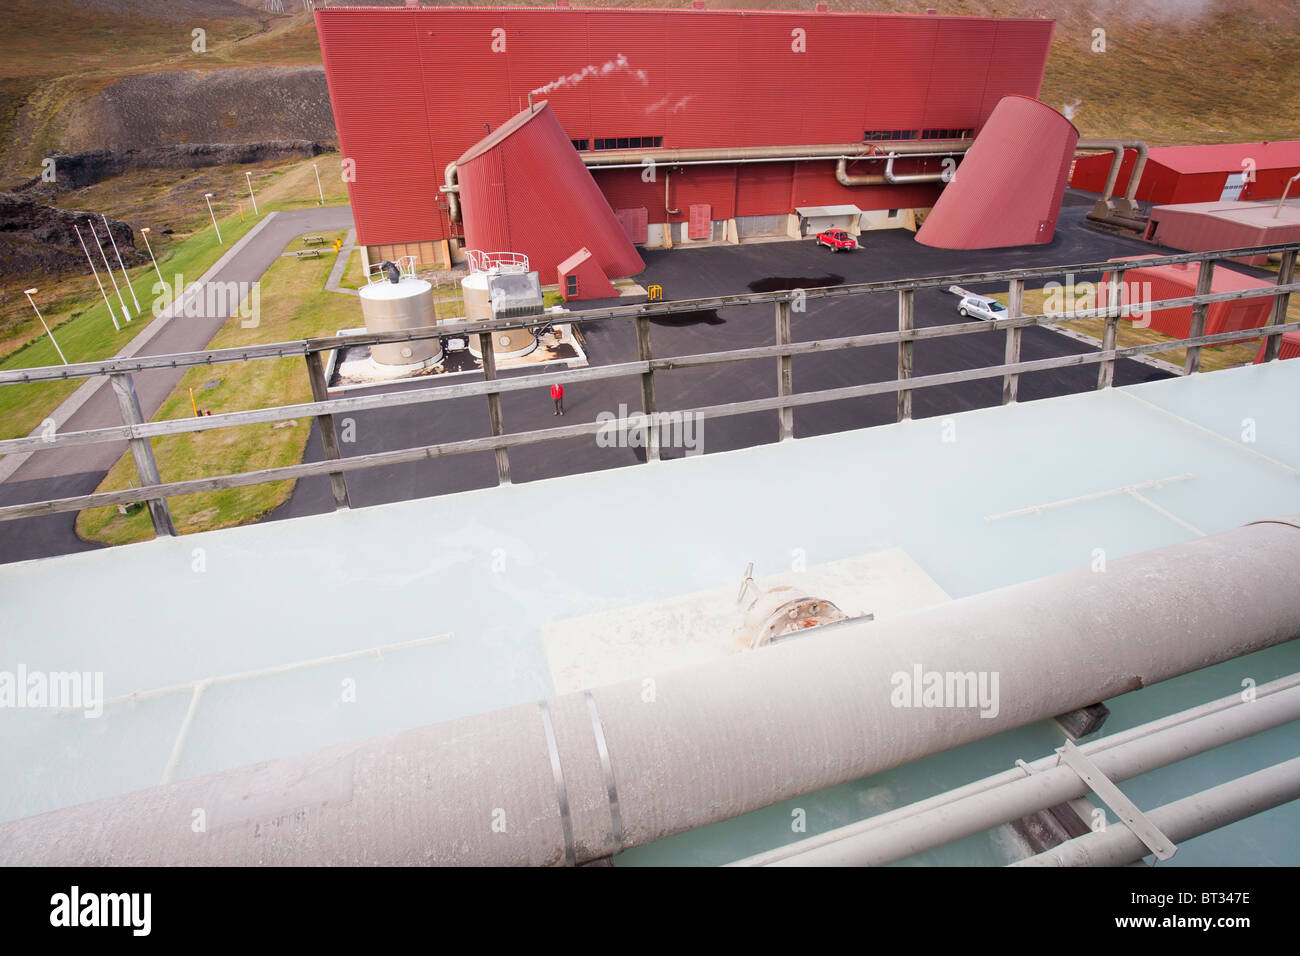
(489, 443)
(651, 310)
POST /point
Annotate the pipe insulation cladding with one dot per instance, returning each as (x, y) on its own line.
(541, 785)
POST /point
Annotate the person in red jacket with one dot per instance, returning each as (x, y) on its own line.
(557, 393)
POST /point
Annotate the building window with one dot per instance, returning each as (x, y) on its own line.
(629, 142)
(571, 285)
(893, 213)
(581, 145)
(878, 135)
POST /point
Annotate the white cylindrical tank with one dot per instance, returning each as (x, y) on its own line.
(395, 307)
(478, 308)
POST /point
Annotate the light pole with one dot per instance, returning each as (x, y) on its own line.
(125, 278)
(207, 197)
(1286, 190)
(28, 293)
(145, 232)
(126, 313)
(249, 178)
(93, 271)
(318, 187)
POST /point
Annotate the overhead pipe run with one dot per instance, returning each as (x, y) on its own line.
(1123, 211)
(636, 158)
(583, 775)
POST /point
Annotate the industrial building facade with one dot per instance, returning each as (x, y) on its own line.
(414, 88)
(1194, 174)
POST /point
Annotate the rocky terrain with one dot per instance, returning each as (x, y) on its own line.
(36, 238)
(77, 170)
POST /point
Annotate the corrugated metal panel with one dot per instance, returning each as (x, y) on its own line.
(700, 222)
(960, 64)
(1008, 189)
(635, 222)
(530, 193)
(763, 189)
(697, 78)
(1289, 348)
(1153, 283)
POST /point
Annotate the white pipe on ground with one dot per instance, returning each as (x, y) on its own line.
(697, 746)
(1048, 787)
(1181, 820)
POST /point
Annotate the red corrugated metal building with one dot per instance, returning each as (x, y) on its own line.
(1008, 191)
(412, 88)
(1288, 348)
(1200, 227)
(581, 277)
(1178, 281)
(1190, 174)
(525, 189)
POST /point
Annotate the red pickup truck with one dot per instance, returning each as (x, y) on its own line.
(837, 240)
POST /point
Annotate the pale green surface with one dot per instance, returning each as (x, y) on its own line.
(313, 587)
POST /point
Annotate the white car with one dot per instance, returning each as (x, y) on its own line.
(982, 307)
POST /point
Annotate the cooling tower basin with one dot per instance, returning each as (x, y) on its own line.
(511, 343)
(396, 307)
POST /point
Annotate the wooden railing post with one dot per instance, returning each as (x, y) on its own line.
(329, 438)
(494, 406)
(1115, 295)
(784, 370)
(644, 353)
(1281, 303)
(1204, 283)
(906, 323)
(1011, 354)
(142, 451)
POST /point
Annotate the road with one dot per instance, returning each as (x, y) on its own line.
(78, 471)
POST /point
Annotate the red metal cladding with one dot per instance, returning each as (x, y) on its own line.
(580, 277)
(1231, 224)
(1288, 349)
(1177, 281)
(524, 189)
(701, 222)
(1007, 191)
(1188, 174)
(635, 222)
(413, 87)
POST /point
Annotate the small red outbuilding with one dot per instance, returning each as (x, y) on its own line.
(581, 277)
(1178, 281)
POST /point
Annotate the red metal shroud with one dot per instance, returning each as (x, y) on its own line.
(524, 189)
(1008, 189)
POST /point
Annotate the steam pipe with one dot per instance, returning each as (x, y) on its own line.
(1050, 784)
(1125, 208)
(627, 158)
(1181, 820)
(698, 750)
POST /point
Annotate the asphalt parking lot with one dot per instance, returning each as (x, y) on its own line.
(720, 270)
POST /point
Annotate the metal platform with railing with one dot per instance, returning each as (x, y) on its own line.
(155, 492)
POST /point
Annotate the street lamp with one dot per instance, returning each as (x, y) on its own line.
(126, 279)
(207, 197)
(145, 232)
(1286, 190)
(28, 293)
(249, 178)
(318, 187)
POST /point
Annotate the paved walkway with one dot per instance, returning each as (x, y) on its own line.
(78, 470)
(341, 265)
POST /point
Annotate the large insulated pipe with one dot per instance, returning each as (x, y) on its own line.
(1181, 820)
(1126, 208)
(739, 155)
(577, 777)
(1048, 787)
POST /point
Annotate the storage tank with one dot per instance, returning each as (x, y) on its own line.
(396, 306)
(507, 276)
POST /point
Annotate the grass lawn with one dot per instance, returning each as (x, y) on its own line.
(1212, 357)
(294, 305)
(74, 308)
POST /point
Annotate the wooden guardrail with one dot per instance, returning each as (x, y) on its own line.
(155, 492)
